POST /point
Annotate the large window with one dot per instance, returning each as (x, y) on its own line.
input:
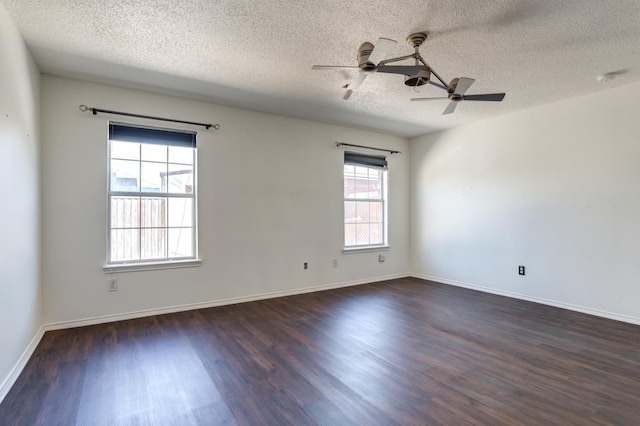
(152, 195)
(365, 195)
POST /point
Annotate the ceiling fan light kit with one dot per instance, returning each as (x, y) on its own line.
(371, 59)
(420, 79)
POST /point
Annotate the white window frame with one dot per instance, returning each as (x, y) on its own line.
(384, 244)
(160, 262)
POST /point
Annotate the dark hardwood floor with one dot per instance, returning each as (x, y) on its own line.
(405, 351)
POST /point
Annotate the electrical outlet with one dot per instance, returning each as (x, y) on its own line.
(381, 258)
(335, 263)
(112, 284)
(306, 265)
(520, 270)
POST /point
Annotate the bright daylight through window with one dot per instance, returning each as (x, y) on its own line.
(152, 195)
(365, 195)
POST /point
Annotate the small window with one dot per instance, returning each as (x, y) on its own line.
(365, 201)
(152, 195)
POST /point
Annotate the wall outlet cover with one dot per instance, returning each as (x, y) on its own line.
(112, 284)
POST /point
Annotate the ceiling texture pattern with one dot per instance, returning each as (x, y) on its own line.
(258, 54)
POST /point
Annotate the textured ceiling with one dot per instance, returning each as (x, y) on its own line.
(257, 54)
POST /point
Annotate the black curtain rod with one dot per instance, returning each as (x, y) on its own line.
(95, 111)
(390, 151)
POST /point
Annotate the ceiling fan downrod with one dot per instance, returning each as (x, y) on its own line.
(423, 77)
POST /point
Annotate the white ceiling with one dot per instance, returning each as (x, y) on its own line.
(257, 54)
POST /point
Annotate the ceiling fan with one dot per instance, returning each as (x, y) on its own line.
(370, 59)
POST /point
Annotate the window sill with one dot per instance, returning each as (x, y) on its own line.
(351, 250)
(150, 266)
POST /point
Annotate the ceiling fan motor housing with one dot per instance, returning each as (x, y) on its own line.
(419, 79)
(364, 51)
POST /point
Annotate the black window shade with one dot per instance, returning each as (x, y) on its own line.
(359, 159)
(125, 133)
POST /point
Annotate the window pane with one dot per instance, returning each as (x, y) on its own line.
(181, 242)
(125, 212)
(361, 182)
(154, 212)
(181, 155)
(349, 211)
(375, 184)
(180, 179)
(125, 150)
(154, 152)
(361, 172)
(125, 245)
(349, 181)
(153, 177)
(362, 234)
(125, 175)
(180, 212)
(153, 243)
(349, 234)
(375, 234)
(349, 187)
(362, 211)
(375, 212)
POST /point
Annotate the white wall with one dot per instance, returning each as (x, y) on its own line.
(553, 188)
(19, 195)
(270, 198)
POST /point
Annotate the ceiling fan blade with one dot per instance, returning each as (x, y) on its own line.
(450, 108)
(428, 99)
(357, 82)
(496, 97)
(332, 67)
(400, 69)
(354, 85)
(463, 85)
(382, 47)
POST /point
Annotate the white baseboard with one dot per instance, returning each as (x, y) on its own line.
(13, 375)
(563, 305)
(211, 304)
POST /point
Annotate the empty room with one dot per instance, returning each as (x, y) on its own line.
(336, 213)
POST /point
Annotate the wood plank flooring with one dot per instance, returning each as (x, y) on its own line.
(405, 351)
